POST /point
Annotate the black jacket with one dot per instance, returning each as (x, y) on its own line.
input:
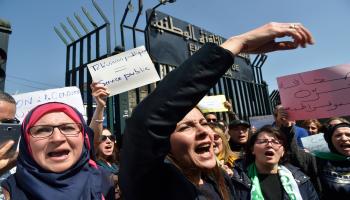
(242, 183)
(143, 172)
(331, 178)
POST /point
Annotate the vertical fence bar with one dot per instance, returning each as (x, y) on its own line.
(68, 80)
(74, 72)
(89, 100)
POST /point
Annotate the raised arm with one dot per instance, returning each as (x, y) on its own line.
(146, 137)
(299, 158)
(99, 92)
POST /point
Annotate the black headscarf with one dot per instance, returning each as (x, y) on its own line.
(329, 133)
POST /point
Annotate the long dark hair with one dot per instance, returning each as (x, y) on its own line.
(250, 158)
(114, 158)
(217, 174)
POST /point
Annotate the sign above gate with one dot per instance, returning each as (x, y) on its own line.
(172, 41)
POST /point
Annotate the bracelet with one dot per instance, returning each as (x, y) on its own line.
(99, 120)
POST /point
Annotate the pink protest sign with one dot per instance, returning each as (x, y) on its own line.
(319, 93)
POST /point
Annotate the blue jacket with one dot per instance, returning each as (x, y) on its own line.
(300, 133)
(242, 183)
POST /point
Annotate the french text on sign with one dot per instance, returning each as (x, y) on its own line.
(124, 71)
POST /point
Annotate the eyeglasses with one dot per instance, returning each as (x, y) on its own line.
(266, 142)
(45, 131)
(10, 121)
(110, 137)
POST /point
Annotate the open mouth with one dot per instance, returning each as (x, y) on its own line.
(58, 154)
(269, 153)
(242, 138)
(108, 147)
(345, 146)
(203, 148)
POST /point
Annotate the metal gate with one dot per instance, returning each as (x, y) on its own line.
(243, 83)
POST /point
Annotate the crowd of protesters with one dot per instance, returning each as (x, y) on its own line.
(171, 150)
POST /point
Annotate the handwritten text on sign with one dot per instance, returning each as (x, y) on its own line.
(69, 95)
(320, 93)
(125, 71)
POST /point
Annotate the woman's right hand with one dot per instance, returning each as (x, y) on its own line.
(262, 39)
(100, 93)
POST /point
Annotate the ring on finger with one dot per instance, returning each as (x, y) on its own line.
(293, 26)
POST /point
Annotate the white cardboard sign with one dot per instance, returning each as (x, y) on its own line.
(315, 143)
(124, 71)
(68, 95)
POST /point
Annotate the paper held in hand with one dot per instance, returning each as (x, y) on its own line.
(316, 94)
(212, 104)
(315, 143)
(125, 71)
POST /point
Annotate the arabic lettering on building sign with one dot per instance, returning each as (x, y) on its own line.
(191, 33)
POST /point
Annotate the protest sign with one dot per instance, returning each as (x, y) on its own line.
(260, 121)
(124, 71)
(316, 94)
(212, 104)
(69, 95)
(315, 143)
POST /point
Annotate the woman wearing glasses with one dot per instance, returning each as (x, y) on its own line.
(264, 174)
(54, 158)
(107, 152)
